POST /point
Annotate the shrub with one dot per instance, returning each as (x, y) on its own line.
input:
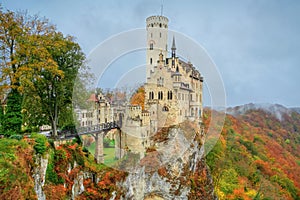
(41, 143)
(17, 137)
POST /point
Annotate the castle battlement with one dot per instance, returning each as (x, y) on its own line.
(157, 21)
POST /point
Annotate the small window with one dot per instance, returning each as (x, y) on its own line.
(160, 95)
(170, 95)
(150, 61)
(160, 35)
(160, 25)
(151, 35)
(165, 109)
(151, 46)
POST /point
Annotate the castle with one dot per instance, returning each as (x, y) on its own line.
(173, 88)
(173, 93)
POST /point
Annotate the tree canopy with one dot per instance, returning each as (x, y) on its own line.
(39, 66)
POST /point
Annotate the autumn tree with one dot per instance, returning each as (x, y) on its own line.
(138, 98)
(38, 69)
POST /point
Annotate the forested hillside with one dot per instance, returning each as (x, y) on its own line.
(257, 156)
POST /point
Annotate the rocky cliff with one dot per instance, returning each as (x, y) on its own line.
(173, 168)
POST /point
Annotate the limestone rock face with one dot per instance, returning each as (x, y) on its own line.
(39, 173)
(176, 169)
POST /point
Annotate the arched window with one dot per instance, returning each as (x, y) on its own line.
(151, 46)
(160, 25)
(151, 95)
(169, 95)
(160, 95)
(150, 61)
(165, 109)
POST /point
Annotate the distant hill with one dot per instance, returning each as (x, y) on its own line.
(258, 154)
(296, 110)
(275, 109)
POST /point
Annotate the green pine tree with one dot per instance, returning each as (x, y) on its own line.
(12, 119)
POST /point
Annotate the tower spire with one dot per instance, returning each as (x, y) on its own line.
(161, 8)
(173, 48)
(173, 44)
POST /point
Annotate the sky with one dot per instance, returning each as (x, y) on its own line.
(255, 44)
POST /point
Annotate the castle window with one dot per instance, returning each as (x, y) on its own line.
(160, 35)
(150, 61)
(165, 109)
(160, 25)
(151, 46)
(160, 95)
(170, 95)
(151, 95)
(151, 25)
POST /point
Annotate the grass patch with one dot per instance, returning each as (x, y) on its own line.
(109, 154)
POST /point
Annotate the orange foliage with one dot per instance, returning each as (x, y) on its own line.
(138, 98)
(55, 192)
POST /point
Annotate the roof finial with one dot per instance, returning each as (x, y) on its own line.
(161, 8)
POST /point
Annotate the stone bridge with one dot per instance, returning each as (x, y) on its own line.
(98, 132)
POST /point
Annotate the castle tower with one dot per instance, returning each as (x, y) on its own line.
(157, 40)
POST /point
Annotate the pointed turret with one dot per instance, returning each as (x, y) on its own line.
(173, 48)
(173, 45)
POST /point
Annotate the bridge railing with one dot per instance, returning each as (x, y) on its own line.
(89, 130)
(98, 127)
